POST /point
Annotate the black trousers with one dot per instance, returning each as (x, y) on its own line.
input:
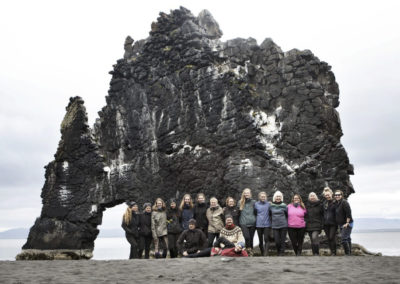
(330, 232)
(280, 238)
(211, 237)
(263, 238)
(248, 234)
(172, 245)
(134, 242)
(296, 236)
(145, 243)
(314, 237)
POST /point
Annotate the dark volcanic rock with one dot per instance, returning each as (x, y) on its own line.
(188, 113)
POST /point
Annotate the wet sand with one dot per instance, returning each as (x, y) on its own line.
(340, 269)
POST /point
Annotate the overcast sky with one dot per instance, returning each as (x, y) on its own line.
(52, 50)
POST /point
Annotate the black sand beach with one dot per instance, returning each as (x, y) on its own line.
(368, 269)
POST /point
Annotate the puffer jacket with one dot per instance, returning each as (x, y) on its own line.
(145, 224)
(314, 216)
(329, 212)
(192, 241)
(159, 223)
(278, 214)
(133, 227)
(234, 212)
(199, 214)
(215, 219)
(247, 215)
(174, 224)
(262, 218)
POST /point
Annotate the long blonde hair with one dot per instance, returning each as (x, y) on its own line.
(243, 199)
(301, 200)
(127, 216)
(183, 201)
(155, 204)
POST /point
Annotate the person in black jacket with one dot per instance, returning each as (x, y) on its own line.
(145, 233)
(344, 220)
(192, 240)
(231, 209)
(199, 213)
(186, 210)
(314, 220)
(174, 228)
(130, 224)
(330, 226)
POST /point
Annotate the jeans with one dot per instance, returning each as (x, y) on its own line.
(263, 238)
(296, 236)
(345, 234)
(280, 238)
(248, 234)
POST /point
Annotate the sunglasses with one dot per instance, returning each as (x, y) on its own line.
(338, 195)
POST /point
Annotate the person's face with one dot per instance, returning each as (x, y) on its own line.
(173, 205)
(231, 203)
(187, 200)
(135, 208)
(200, 199)
(296, 199)
(263, 197)
(213, 203)
(229, 221)
(247, 194)
(159, 204)
(191, 226)
(147, 209)
(338, 195)
(278, 198)
(328, 196)
(313, 197)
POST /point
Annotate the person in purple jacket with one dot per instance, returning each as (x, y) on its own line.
(296, 223)
(263, 222)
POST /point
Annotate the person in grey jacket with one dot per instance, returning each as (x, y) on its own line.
(279, 214)
(159, 228)
(215, 220)
(247, 219)
(263, 222)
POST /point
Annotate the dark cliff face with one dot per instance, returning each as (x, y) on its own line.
(187, 113)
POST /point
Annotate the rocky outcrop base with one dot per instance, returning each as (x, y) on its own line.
(56, 254)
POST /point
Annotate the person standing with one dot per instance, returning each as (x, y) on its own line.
(296, 223)
(215, 220)
(145, 231)
(130, 224)
(344, 220)
(231, 209)
(174, 228)
(279, 224)
(159, 228)
(263, 222)
(186, 211)
(199, 213)
(330, 226)
(314, 221)
(247, 218)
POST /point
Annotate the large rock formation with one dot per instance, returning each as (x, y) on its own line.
(188, 113)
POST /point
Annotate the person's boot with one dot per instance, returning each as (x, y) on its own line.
(262, 250)
(316, 250)
(164, 253)
(140, 253)
(346, 248)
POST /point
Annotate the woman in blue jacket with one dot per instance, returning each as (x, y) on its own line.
(186, 210)
(263, 222)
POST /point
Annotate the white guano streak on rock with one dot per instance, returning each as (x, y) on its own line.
(64, 195)
(246, 165)
(65, 166)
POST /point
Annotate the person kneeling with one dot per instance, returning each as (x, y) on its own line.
(192, 241)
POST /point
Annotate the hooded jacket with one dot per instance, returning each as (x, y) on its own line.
(262, 214)
(159, 223)
(247, 215)
(199, 214)
(278, 213)
(192, 241)
(314, 216)
(215, 219)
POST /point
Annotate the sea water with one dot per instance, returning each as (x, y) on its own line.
(118, 248)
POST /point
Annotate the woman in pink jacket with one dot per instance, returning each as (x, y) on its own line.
(296, 223)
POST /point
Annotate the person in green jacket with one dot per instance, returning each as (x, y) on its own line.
(247, 218)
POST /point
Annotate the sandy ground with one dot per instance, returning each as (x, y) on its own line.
(370, 269)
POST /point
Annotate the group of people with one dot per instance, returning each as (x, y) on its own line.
(196, 229)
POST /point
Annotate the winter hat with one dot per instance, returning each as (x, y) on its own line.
(131, 203)
(192, 221)
(172, 200)
(146, 205)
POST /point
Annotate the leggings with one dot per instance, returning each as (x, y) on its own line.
(248, 234)
(263, 238)
(314, 237)
(145, 243)
(280, 238)
(134, 246)
(296, 236)
(330, 232)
